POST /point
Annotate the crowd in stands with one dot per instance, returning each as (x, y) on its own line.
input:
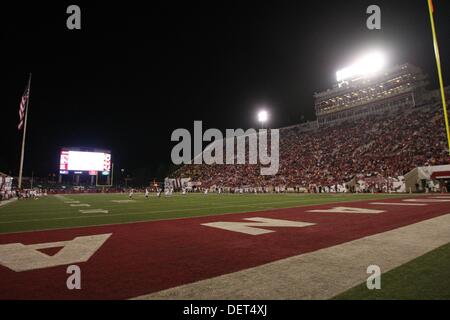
(383, 146)
(370, 154)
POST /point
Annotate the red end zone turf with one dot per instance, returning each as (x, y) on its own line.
(140, 258)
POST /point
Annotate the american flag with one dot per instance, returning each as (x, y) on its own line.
(23, 106)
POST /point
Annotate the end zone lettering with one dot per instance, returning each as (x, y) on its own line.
(247, 309)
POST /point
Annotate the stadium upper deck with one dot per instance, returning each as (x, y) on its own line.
(397, 87)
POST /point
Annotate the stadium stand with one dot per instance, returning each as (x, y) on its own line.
(384, 145)
(6, 192)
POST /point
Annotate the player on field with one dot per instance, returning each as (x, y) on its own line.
(146, 193)
(130, 195)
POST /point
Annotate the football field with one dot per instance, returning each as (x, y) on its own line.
(77, 210)
(247, 246)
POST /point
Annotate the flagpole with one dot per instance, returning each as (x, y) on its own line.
(24, 135)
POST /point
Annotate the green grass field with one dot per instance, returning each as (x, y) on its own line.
(52, 212)
(427, 277)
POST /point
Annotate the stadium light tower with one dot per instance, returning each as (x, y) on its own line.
(263, 116)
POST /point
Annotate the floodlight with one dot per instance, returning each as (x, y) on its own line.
(263, 116)
(365, 66)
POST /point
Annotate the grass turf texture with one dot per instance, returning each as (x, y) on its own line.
(424, 278)
(53, 213)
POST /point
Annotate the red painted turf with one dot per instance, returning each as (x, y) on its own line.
(141, 258)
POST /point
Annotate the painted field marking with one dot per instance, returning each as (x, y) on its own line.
(347, 210)
(199, 208)
(427, 200)
(62, 198)
(123, 201)
(255, 228)
(19, 257)
(94, 211)
(399, 204)
(76, 203)
(5, 202)
(304, 276)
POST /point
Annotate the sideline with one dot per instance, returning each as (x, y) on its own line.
(321, 274)
(6, 202)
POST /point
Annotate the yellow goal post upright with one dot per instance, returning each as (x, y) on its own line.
(438, 64)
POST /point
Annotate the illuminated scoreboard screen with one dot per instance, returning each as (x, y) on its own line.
(82, 162)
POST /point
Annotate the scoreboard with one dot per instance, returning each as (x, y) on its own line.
(84, 162)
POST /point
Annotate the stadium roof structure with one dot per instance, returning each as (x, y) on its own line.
(365, 67)
(361, 82)
(389, 89)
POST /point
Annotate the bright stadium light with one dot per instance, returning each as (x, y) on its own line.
(365, 66)
(263, 116)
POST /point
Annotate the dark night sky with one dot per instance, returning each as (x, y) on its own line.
(136, 72)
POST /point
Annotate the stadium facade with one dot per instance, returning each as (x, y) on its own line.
(342, 151)
(399, 87)
(5, 186)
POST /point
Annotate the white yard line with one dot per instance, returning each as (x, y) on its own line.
(193, 208)
(398, 204)
(259, 207)
(321, 274)
(6, 202)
